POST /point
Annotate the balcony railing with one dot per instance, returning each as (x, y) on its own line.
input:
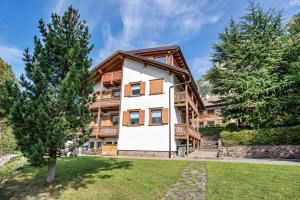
(105, 131)
(180, 98)
(181, 131)
(112, 77)
(105, 103)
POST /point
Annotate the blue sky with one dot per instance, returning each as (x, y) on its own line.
(131, 24)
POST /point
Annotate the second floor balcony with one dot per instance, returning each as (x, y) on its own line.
(106, 103)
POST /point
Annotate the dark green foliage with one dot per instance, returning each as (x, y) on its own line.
(257, 70)
(210, 131)
(272, 136)
(53, 105)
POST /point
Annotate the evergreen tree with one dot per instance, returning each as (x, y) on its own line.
(294, 24)
(254, 74)
(53, 105)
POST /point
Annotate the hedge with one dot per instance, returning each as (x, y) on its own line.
(210, 131)
(273, 136)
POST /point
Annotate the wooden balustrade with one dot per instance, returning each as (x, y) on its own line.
(112, 77)
(105, 131)
(181, 131)
(106, 102)
(180, 99)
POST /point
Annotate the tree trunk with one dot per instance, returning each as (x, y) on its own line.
(51, 170)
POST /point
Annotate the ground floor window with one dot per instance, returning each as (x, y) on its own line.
(99, 144)
(92, 145)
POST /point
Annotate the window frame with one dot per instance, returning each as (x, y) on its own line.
(150, 116)
(113, 93)
(138, 122)
(112, 119)
(91, 142)
(139, 84)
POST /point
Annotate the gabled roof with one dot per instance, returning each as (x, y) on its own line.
(137, 55)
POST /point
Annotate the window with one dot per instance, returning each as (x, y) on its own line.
(156, 86)
(99, 144)
(211, 123)
(212, 111)
(116, 93)
(134, 117)
(115, 120)
(156, 117)
(92, 145)
(136, 89)
(160, 59)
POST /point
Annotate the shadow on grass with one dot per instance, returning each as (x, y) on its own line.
(29, 182)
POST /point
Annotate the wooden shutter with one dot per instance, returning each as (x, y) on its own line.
(127, 90)
(156, 86)
(142, 117)
(125, 118)
(150, 117)
(165, 115)
(142, 88)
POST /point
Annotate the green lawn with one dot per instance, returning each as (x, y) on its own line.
(252, 181)
(115, 178)
(96, 178)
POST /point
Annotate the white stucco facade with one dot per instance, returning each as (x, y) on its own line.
(144, 137)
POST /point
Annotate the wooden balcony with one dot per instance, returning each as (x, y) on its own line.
(180, 99)
(105, 103)
(181, 131)
(105, 131)
(111, 78)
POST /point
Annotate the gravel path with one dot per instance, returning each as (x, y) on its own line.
(191, 185)
(6, 158)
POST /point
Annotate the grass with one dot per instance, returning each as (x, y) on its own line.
(115, 178)
(95, 178)
(8, 170)
(252, 181)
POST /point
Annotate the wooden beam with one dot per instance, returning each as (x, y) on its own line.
(187, 120)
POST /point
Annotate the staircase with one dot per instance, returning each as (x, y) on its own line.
(208, 149)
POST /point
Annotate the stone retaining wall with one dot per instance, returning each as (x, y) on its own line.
(135, 153)
(264, 151)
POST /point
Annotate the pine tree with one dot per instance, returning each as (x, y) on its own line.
(251, 73)
(53, 105)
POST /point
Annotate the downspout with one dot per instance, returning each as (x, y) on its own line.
(170, 126)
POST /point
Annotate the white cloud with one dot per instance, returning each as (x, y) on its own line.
(199, 66)
(157, 22)
(59, 6)
(11, 55)
(294, 3)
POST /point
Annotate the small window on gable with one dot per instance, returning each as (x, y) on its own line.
(136, 89)
(161, 59)
(156, 117)
(116, 93)
(134, 117)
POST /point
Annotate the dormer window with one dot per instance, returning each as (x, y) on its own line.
(161, 59)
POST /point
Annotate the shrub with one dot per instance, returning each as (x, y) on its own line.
(210, 131)
(273, 136)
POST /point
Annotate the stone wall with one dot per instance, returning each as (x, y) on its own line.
(159, 154)
(264, 151)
